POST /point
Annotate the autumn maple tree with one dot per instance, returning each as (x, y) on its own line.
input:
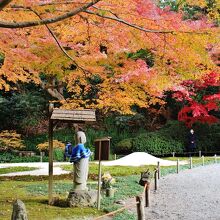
(100, 50)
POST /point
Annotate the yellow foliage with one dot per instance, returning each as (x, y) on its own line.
(10, 140)
(45, 146)
(201, 3)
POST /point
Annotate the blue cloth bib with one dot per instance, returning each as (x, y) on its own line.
(79, 152)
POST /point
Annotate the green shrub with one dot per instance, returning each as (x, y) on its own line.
(7, 157)
(208, 137)
(124, 146)
(155, 143)
(58, 154)
(174, 130)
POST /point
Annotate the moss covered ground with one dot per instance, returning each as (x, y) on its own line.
(6, 170)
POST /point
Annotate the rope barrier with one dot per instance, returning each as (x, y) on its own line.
(179, 154)
(116, 211)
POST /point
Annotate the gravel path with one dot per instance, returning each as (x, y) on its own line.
(190, 195)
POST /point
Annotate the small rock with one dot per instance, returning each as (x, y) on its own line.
(19, 211)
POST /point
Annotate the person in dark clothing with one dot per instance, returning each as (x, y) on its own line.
(68, 151)
(192, 142)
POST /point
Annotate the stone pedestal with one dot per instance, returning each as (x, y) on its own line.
(82, 198)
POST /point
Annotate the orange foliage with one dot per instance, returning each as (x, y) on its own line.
(56, 144)
(10, 140)
(108, 80)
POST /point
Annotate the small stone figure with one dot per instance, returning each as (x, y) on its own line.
(145, 178)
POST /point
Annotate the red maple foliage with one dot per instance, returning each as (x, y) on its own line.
(201, 99)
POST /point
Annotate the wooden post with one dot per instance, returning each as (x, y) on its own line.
(147, 194)
(140, 208)
(100, 176)
(155, 179)
(158, 169)
(50, 184)
(41, 156)
(173, 153)
(50, 187)
(215, 158)
(203, 160)
(190, 163)
(177, 166)
(115, 157)
(200, 153)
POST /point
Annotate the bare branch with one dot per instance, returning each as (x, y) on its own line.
(116, 18)
(4, 3)
(61, 3)
(5, 24)
(127, 23)
(67, 2)
(106, 11)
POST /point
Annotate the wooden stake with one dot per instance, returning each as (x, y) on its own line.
(203, 160)
(158, 169)
(140, 208)
(115, 156)
(177, 166)
(190, 163)
(100, 176)
(147, 194)
(41, 156)
(215, 158)
(155, 179)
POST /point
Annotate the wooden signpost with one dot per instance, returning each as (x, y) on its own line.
(73, 116)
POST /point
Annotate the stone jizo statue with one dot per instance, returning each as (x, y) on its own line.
(80, 158)
(80, 196)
